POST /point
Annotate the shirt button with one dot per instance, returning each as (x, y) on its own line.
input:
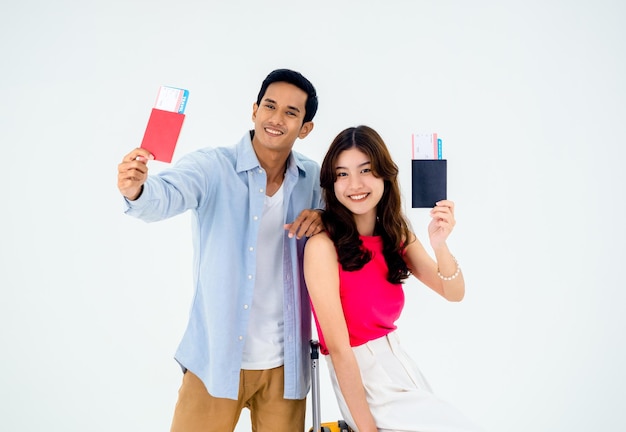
(250, 248)
(249, 276)
(260, 171)
(261, 190)
(240, 338)
(245, 306)
(255, 218)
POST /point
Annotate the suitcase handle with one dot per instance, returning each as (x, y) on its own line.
(315, 385)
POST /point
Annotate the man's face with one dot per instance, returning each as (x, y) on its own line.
(278, 118)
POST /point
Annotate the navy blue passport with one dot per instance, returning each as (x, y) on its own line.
(428, 182)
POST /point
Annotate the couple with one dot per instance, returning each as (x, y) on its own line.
(255, 206)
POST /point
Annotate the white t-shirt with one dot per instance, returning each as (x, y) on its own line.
(263, 347)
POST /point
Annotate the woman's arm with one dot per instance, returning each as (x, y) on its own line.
(443, 274)
(322, 278)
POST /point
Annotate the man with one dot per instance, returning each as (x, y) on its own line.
(246, 342)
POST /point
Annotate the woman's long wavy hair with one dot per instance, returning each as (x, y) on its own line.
(339, 222)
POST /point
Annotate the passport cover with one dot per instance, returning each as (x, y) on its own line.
(162, 134)
(428, 182)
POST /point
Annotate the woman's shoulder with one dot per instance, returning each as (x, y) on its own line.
(320, 242)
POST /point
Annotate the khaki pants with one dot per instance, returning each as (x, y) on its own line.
(261, 391)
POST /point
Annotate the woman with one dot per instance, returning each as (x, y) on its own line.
(354, 272)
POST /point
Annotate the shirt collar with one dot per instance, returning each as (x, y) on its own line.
(247, 160)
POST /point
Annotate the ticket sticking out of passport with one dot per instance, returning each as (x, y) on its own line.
(172, 99)
(425, 146)
(165, 123)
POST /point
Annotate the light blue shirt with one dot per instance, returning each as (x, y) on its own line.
(224, 188)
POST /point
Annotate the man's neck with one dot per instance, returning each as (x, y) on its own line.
(273, 162)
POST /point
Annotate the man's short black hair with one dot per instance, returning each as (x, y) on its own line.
(297, 79)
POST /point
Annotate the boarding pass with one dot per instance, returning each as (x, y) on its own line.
(172, 99)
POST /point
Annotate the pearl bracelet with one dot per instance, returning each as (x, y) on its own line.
(456, 273)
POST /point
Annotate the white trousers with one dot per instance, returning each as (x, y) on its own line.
(399, 397)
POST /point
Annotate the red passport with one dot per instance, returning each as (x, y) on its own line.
(162, 134)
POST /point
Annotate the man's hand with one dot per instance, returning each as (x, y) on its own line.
(133, 172)
(308, 223)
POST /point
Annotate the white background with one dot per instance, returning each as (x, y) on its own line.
(529, 98)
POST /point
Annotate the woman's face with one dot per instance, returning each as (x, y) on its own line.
(356, 187)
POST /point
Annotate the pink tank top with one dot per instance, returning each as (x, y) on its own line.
(370, 303)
